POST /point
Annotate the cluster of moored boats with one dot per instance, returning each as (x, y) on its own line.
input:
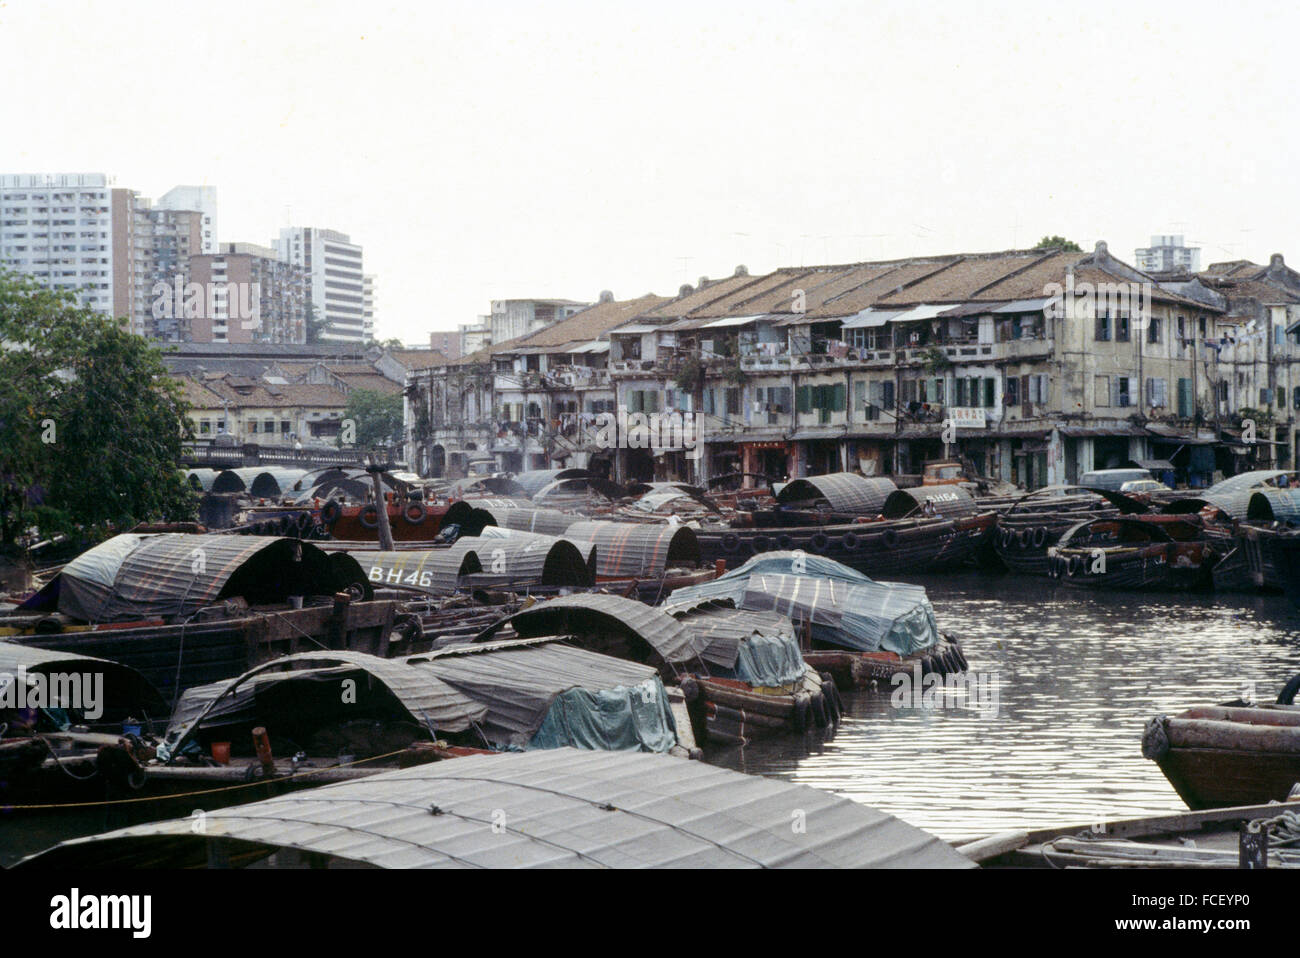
(343, 622)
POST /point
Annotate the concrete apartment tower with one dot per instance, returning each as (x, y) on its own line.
(336, 280)
(73, 232)
(202, 199)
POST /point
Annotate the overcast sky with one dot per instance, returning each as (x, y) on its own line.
(488, 151)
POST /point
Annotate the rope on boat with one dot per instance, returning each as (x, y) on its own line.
(204, 791)
(1284, 828)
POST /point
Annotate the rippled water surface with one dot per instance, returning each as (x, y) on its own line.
(1078, 676)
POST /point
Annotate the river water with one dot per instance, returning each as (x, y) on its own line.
(1077, 676)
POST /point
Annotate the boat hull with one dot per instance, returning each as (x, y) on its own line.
(1218, 756)
(873, 548)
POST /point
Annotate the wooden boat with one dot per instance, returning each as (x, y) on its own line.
(1220, 755)
(1157, 553)
(880, 546)
(731, 712)
(860, 670)
(1220, 838)
(1034, 523)
(1263, 557)
(228, 640)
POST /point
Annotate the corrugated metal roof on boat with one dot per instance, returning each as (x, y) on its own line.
(638, 549)
(174, 574)
(551, 522)
(522, 561)
(430, 701)
(275, 481)
(123, 685)
(433, 571)
(589, 550)
(846, 492)
(586, 613)
(236, 480)
(1268, 505)
(563, 807)
(1233, 494)
(534, 482)
(946, 500)
(202, 479)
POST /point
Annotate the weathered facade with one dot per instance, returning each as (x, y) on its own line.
(1034, 365)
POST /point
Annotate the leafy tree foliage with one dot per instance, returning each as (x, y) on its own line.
(91, 424)
(1059, 243)
(377, 417)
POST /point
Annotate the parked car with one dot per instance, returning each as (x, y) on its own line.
(1143, 485)
(1113, 479)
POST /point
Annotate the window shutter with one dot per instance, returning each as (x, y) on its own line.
(805, 399)
(841, 395)
(988, 393)
(1024, 390)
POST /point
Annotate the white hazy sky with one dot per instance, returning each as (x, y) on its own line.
(487, 151)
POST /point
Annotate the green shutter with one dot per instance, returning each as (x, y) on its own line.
(1185, 397)
(805, 399)
(841, 397)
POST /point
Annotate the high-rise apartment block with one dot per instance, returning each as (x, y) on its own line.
(70, 232)
(337, 282)
(1167, 254)
(159, 268)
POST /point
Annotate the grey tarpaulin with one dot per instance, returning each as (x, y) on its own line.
(846, 607)
(756, 647)
(548, 695)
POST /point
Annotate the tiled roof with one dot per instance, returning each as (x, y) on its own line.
(418, 358)
(263, 395)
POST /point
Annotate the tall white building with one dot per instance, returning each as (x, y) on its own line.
(200, 198)
(78, 232)
(333, 264)
(368, 285)
(1167, 254)
(70, 231)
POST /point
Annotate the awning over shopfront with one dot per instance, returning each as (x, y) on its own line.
(871, 318)
(734, 321)
(805, 434)
(1172, 434)
(1023, 306)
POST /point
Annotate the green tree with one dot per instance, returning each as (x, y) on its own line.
(91, 423)
(1058, 243)
(376, 417)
